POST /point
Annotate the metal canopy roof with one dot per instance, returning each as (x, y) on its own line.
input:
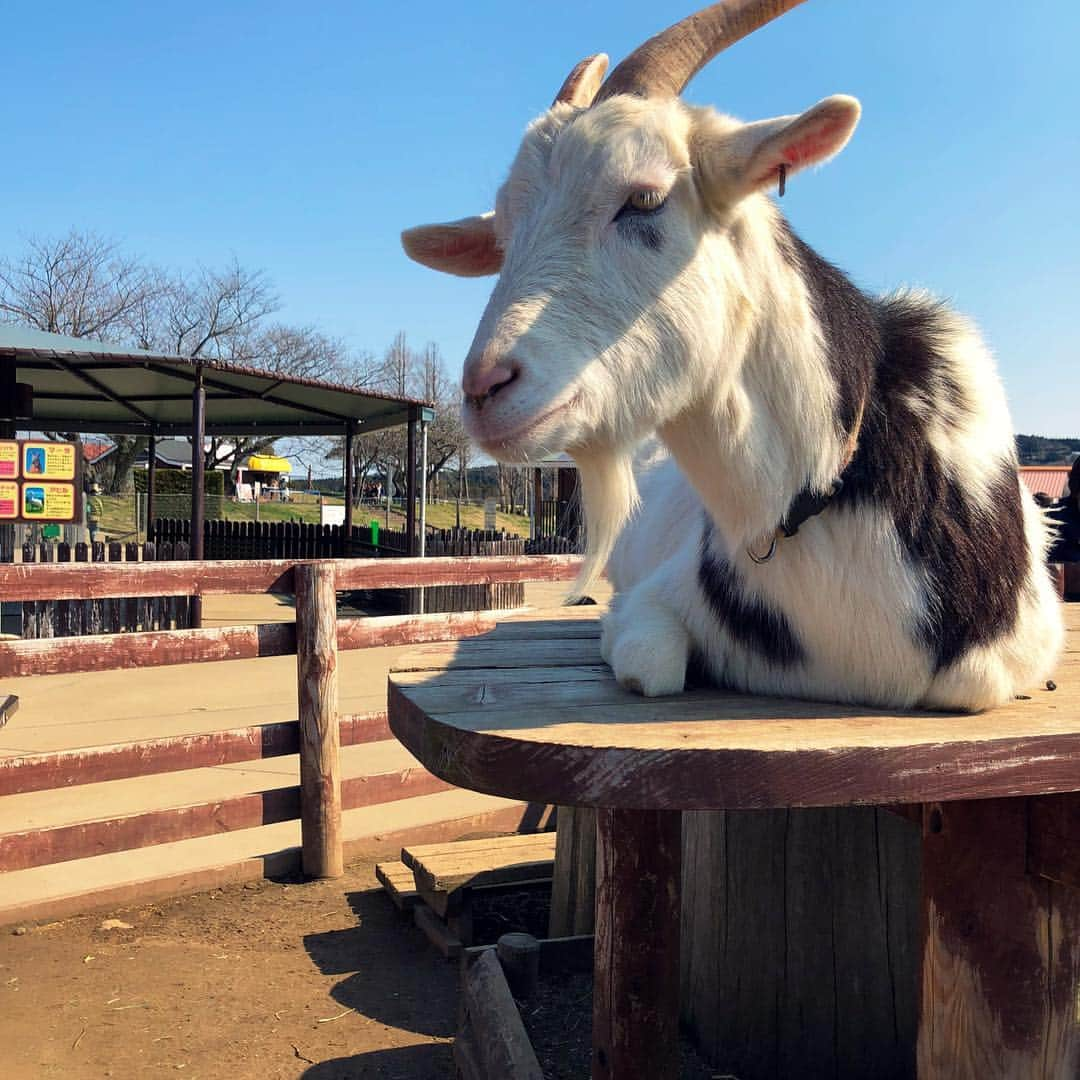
(92, 387)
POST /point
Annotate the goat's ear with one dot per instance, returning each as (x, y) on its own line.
(734, 162)
(467, 247)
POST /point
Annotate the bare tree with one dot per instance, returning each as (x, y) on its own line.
(79, 284)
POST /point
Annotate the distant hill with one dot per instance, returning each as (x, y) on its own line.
(1037, 450)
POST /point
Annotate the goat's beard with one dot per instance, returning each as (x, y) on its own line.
(609, 496)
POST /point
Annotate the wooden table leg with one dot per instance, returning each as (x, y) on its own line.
(1001, 940)
(636, 967)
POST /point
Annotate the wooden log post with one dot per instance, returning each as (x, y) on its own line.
(636, 959)
(320, 764)
(519, 955)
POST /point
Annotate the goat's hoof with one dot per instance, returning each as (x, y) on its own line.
(648, 668)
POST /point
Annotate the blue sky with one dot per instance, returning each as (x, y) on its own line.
(303, 138)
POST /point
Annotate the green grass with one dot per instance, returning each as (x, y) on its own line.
(116, 513)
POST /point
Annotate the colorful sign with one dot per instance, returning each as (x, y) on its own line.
(48, 502)
(48, 461)
(50, 488)
(9, 460)
(9, 500)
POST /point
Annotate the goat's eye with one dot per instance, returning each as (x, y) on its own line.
(644, 201)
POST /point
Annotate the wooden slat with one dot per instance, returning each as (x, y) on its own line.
(240, 577)
(160, 648)
(96, 764)
(486, 847)
(157, 648)
(42, 847)
(367, 633)
(507, 654)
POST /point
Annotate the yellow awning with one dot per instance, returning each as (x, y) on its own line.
(267, 463)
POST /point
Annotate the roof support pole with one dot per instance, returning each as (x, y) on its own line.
(198, 482)
(350, 483)
(151, 480)
(8, 410)
(423, 503)
(410, 483)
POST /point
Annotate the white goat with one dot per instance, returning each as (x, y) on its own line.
(649, 285)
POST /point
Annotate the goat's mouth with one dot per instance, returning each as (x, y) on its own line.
(544, 433)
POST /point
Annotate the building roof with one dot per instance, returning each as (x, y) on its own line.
(1052, 480)
(94, 451)
(91, 386)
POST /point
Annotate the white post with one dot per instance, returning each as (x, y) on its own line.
(423, 500)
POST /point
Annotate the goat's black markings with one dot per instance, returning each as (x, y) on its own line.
(848, 321)
(890, 354)
(750, 623)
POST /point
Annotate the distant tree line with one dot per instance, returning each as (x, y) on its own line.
(1038, 450)
(85, 286)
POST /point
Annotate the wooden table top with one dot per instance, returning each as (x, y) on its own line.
(530, 711)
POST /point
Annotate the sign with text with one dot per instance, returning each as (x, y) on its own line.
(39, 481)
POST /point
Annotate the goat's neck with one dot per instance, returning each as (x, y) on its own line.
(764, 424)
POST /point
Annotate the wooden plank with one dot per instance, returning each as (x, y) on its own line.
(510, 654)
(538, 629)
(239, 577)
(162, 648)
(526, 676)
(485, 847)
(451, 875)
(96, 764)
(366, 633)
(573, 892)
(145, 579)
(437, 932)
(397, 880)
(1001, 951)
(273, 864)
(494, 1036)
(42, 847)
(636, 964)
(157, 648)
(317, 693)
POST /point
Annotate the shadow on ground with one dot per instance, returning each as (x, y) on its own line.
(393, 977)
(431, 1061)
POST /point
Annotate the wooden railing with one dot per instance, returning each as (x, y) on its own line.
(315, 639)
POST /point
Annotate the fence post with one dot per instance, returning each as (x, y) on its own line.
(316, 676)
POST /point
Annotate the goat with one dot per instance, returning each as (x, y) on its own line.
(839, 515)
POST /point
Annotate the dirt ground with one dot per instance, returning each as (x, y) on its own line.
(320, 980)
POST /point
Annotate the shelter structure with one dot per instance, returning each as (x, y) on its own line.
(49, 382)
(560, 515)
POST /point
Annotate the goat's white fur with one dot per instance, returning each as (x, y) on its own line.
(711, 342)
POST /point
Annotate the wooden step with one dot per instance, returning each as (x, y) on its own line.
(442, 871)
(398, 882)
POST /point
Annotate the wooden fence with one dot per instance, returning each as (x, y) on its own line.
(113, 615)
(317, 735)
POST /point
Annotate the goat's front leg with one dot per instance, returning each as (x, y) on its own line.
(646, 642)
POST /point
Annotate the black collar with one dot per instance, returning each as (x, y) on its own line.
(808, 504)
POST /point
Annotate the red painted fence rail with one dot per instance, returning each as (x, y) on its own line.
(322, 795)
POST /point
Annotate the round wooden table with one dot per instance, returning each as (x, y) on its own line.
(529, 711)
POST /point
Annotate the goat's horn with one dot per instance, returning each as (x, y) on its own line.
(583, 82)
(667, 62)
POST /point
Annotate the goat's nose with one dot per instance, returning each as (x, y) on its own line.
(485, 381)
